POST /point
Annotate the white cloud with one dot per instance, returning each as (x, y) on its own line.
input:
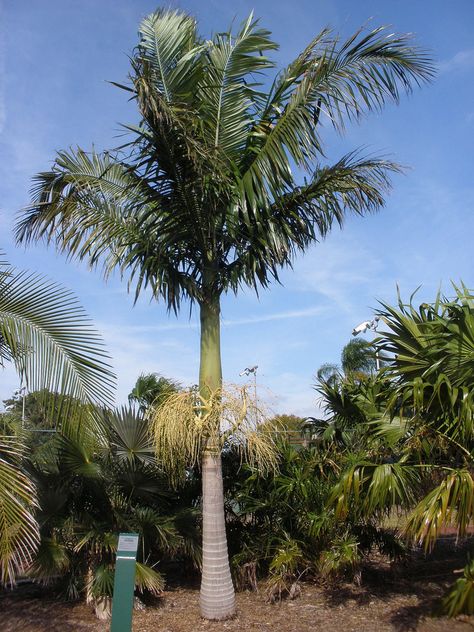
(289, 394)
(134, 351)
(252, 320)
(335, 270)
(462, 60)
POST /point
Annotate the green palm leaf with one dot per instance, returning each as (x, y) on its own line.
(129, 436)
(460, 599)
(227, 96)
(450, 502)
(333, 81)
(18, 528)
(147, 579)
(50, 338)
(168, 42)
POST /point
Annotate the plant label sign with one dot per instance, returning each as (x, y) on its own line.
(124, 583)
(128, 543)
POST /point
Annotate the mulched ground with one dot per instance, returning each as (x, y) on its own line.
(399, 598)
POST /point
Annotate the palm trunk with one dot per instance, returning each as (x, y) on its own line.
(217, 591)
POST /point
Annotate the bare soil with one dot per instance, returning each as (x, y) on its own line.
(390, 598)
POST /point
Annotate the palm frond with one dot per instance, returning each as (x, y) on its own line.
(147, 579)
(51, 340)
(460, 599)
(19, 536)
(331, 80)
(374, 487)
(169, 44)
(50, 561)
(101, 582)
(75, 452)
(449, 503)
(270, 238)
(227, 94)
(430, 352)
(129, 436)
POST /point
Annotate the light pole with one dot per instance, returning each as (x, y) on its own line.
(21, 392)
(362, 328)
(247, 371)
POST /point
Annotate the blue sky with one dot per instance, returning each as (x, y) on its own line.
(55, 59)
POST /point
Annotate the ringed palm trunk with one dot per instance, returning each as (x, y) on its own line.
(217, 597)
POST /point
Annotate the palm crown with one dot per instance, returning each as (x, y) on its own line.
(207, 182)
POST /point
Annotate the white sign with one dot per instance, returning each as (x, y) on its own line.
(128, 543)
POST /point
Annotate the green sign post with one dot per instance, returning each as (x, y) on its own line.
(124, 583)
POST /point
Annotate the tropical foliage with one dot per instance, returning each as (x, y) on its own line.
(18, 526)
(48, 338)
(394, 442)
(418, 427)
(89, 491)
(283, 526)
(208, 195)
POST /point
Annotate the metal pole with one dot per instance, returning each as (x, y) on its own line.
(375, 323)
(255, 392)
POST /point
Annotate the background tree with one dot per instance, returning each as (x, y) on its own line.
(290, 428)
(357, 362)
(358, 358)
(209, 195)
(347, 394)
(152, 389)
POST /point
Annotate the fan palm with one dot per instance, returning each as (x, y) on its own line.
(47, 336)
(89, 492)
(204, 198)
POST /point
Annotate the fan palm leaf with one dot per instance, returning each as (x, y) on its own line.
(129, 436)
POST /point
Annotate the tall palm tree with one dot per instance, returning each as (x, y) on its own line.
(207, 197)
(47, 336)
(357, 362)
